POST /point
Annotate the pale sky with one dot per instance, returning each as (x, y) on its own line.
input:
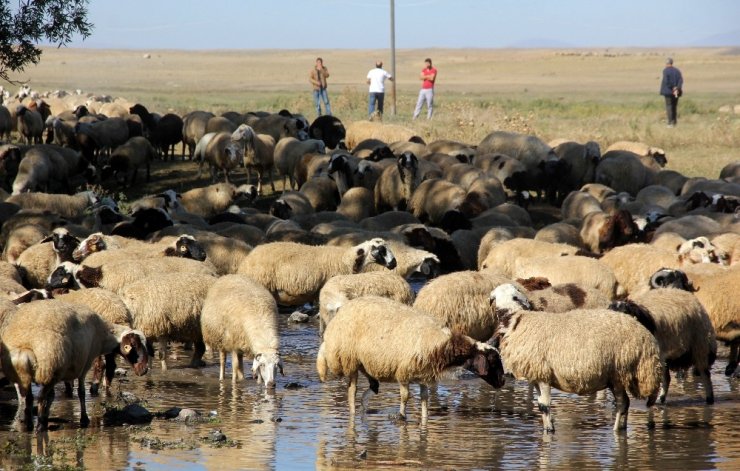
(365, 24)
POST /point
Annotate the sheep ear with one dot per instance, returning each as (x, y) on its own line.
(359, 260)
(47, 239)
(89, 277)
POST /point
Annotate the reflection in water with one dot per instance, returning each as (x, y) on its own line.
(305, 425)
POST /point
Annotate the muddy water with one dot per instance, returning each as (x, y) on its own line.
(304, 425)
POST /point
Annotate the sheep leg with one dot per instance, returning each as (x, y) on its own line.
(664, 384)
(351, 392)
(374, 387)
(272, 180)
(706, 379)
(239, 366)
(424, 394)
(199, 349)
(404, 399)
(732, 360)
(46, 396)
(25, 406)
(68, 389)
(623, 405)
(163, 354)
(84, 419)
(222, 364)
(543, 402)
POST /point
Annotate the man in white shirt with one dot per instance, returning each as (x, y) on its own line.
(376, 79)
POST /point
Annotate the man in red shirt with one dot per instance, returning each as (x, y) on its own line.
(428, 76)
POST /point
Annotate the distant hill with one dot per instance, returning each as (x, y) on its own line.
(730, 38)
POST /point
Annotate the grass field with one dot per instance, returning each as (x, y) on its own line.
(602, 95)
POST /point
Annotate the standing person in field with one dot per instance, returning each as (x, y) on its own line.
(317, 77)
(376, 79)
(426, 94)
(671, 87)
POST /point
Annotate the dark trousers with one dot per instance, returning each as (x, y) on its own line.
(671, 106)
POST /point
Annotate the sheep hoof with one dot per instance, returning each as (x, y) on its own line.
(41, 426)
(730, 369)
(84, 421)
(197, 364)
(710, 400)
(662, 399)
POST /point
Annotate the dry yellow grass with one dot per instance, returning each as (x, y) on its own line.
(579, 94)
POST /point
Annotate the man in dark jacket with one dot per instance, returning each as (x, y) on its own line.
(671, 87)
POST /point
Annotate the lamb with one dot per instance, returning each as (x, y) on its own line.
(397, 183)
(295, 273)
(226, 151)
(358, 131)
(341, 288)
(460, 302)
(240, 316)
(260, 157)
(50, 341)
(684, 333)
(127, 158)
(288, 152)
(371, 335)
(501, 257)
(172, 313)
(580, 351)
(710, 284)
(71, 207)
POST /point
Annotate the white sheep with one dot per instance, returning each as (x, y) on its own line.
(341, 288)
(410, 261)
(562, 297)
(260, 157)
(240, 316)
(211, 200)
(288, 151)
(359, 131)
(38, 261)
(170, 312)
(714, 287)
(49, 341)
(580, 351)
(294, 273)
(460, 301)
(225, 151)
(390, 341)
(684, 333)
(634, 264)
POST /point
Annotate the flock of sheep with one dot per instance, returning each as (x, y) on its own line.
(631, 280)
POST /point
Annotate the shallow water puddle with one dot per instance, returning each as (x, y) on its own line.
(305, 425)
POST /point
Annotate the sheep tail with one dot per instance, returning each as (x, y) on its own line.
(24, 365)
(321, 365)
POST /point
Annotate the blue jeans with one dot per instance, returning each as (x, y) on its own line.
(319, 95)
(371, 99)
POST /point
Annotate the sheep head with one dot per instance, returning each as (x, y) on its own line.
(507, 300)
(373, 251)
(33, 295)
(408, 166)
(700, 250)
(186, 247)
(380, 153)
(244, 133)
(429, 267)
(132, 347)
(265, 368)
(63, 277)
(486, 364)
(668, 278)
(63, 243)
(93, 243)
